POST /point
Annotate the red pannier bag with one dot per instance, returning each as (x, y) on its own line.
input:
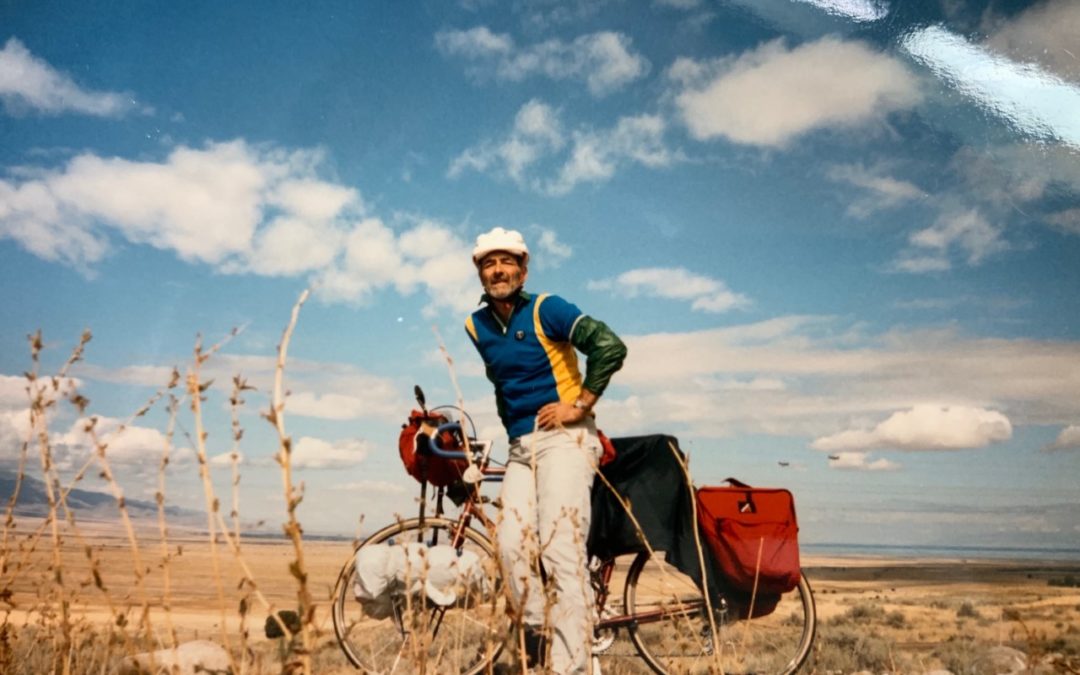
(418, 461)
(753, 534)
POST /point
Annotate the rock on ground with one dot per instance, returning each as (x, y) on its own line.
(201, 657)
(1002, 659)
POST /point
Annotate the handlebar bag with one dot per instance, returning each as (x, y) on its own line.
(418, 461)
(753, 535)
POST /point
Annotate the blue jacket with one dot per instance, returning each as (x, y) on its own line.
(532, 360)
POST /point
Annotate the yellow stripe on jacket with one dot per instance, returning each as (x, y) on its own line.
(563, 359)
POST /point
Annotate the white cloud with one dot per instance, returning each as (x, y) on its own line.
(315, 453)
(771, 95)
(859, 461)
(596, 155)
(219, 205)
(828, 373)
(14, 431)
(140, 375)
(29, 83)
(427, 255)
(704, 293)
(16, 391)
(473, 43)
(538, 139)
(376, 402)
(880, 191)
(537, 133)
(966, 231)
(925, 427)
(242, 209)
(605, 61)
(126, 444)
(1067, 221)
(552, 251)
(1068, 439)
(225, 459)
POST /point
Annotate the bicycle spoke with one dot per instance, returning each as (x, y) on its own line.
(414, 634)
(675, 635)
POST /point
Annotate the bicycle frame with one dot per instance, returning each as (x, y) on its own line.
(471, 508)
(645, 605)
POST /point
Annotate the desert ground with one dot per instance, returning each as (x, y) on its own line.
(874, 615)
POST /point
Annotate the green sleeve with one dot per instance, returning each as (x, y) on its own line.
(604, 352)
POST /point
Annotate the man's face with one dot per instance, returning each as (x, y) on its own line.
(502, 274)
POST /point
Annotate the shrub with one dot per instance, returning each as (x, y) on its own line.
(967, 611)
(847, 650)
(895, 619)
(864, 612)
(957, 655)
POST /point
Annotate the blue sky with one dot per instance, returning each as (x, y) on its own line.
(825, 228)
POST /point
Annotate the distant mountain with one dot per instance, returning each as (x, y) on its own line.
(33, 501)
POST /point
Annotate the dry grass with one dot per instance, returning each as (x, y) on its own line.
(77, 596)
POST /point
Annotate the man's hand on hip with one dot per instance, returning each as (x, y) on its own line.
(555, 415)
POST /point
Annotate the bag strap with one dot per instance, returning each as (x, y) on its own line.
(735, 482)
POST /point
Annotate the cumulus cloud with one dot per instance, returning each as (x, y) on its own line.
(967, 233)
(232, 204)
(705, 294)
(1068, 439)
(133, 446)
(536, 133)
(16, 391)
(315, 453)
(925, 427)
(242, 209)
(605, 61)
(771, 95)
(538, 139)
(28, 83)
(14, 431)
(371, 402)
(816, 374)
(427, 255)
(860, 461)
(552, 251)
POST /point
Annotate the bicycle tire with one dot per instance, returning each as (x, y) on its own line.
(464, 637)
(777, 644)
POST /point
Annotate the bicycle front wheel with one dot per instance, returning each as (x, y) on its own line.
(674, 634)
(407, 631)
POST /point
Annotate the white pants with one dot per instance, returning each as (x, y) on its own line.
(546, 511)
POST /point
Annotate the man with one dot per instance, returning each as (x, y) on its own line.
(528, 346)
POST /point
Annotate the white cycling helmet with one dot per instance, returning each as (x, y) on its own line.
(499, 239)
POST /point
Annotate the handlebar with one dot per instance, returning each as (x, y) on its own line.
(481, 451)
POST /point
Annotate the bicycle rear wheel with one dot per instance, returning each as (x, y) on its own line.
(411, 633)
(673, 634)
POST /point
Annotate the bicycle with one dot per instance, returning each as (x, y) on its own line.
(663, 612)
